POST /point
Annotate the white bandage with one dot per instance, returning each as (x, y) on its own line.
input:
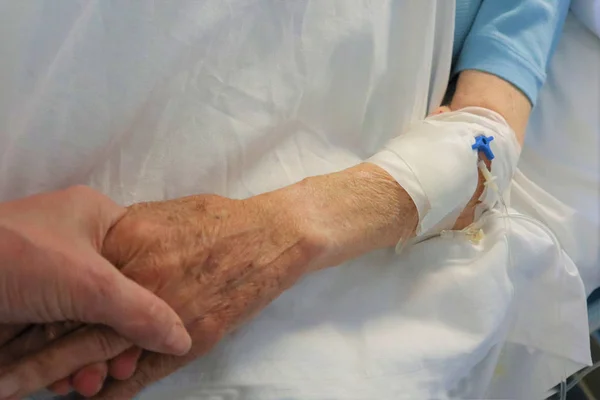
(435, 164)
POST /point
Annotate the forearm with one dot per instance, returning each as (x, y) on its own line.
(351, 212)
(514, 40)
(363, 208)
(476, 88)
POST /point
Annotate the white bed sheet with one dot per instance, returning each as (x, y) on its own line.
(560, 163)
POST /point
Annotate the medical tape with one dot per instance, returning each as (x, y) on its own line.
(435, 162)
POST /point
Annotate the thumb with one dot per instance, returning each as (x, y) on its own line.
(134, 312)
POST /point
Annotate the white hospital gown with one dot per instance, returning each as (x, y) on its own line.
(155, 100)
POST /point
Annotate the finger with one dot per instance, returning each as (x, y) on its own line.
(124, 365)
(61, 388)
(60, 359)
(132, 311)
(89, 380)
(33, 340)
(29, 340)
(467, 216)
(9, 332)
(152, 367)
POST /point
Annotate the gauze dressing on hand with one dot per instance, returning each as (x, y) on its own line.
(435, 163)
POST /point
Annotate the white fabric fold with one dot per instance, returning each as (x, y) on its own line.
(154, 100)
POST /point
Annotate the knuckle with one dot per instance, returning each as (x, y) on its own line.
(206, 333)
(95, 300)
(148, 274)
(138, 226)
(132, 386)
(129, 236)
(39, 371)
(141, 378)
(212, 337)
(58, 361)
(105, 344)
(80, 191)
(101, 286)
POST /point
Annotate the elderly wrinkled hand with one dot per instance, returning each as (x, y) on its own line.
(214, 260)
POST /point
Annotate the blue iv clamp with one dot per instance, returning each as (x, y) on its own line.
(482, 144)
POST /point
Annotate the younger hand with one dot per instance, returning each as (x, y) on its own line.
(217, 261)
(51, 270)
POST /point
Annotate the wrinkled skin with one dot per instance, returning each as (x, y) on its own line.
(214, 260)
(51, 269)
(374, 198)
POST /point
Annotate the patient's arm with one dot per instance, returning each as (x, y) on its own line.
(218, 261)
(379, 210)
(476, 88)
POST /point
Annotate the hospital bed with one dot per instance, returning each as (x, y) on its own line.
(561, 154)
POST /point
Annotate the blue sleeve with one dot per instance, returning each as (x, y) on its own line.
(514, 40)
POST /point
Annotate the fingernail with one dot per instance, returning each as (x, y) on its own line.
(100, 384)
(9, 385)
(178, 340)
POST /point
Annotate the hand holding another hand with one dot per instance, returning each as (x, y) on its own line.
(217, 262)
(214, 260)
(52, 270)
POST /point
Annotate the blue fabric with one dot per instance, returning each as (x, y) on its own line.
(512, 39)
(466, 11)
